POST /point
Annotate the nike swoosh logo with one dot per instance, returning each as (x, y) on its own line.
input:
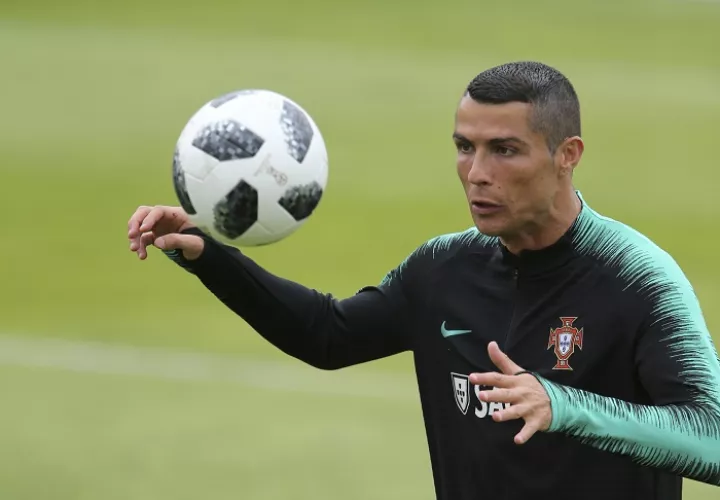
(449, 333)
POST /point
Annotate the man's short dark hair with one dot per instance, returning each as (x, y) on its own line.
(556, 109)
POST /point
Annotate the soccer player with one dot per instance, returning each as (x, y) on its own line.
(558, 353)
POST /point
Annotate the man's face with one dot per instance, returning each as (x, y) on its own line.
(509, 175)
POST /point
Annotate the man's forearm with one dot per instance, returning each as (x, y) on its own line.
(311, 326)
(682, 439)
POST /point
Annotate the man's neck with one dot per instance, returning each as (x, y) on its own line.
(559, 220)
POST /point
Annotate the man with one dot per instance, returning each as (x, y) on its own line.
(558, 352)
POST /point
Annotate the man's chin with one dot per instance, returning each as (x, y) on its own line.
(489, 226)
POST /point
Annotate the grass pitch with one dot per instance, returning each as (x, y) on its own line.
(93, 98)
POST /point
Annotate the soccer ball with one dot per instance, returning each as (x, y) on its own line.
(250, 167)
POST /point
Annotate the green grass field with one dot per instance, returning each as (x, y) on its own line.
(126, 380)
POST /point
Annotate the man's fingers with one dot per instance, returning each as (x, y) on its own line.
(147, 226)
(512, 412)
(501, 360)
(169, 242)
(141, 243)
(191, 245)
(136, 220)
(152, 218)
(529, 429)
(501, 395)
(493, 379)
(134, 232)
(147, 239)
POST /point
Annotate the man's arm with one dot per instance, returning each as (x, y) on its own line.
(678, 365)
(311, 326)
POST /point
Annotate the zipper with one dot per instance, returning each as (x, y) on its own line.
(516, 288)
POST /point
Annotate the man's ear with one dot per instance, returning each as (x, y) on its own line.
(569, 154)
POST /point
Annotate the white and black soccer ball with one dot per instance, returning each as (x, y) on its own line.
(250, 167)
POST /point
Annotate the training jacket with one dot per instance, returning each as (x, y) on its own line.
(606, 321)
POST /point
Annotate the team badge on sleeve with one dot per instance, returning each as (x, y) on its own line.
(565, 339)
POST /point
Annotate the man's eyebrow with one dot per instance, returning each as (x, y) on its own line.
(460, 137)
(502, 140)
(493, 142)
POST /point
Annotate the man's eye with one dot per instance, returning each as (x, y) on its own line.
(464, 148)
(504, 151)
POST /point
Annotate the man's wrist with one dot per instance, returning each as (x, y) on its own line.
(178, 256)
(559, 402)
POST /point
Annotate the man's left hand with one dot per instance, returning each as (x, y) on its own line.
(527, 397)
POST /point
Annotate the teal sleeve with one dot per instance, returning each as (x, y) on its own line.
(683, 439)
(678, 366)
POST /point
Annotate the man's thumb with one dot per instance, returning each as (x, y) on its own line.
(190, 245)
(501, 360)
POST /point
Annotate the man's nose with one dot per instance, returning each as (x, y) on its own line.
(479, 171)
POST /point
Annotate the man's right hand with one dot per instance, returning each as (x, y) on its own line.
(161, 226)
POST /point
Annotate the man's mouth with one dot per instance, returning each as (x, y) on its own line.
(485, 207)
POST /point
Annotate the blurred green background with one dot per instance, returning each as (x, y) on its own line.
(127, 380)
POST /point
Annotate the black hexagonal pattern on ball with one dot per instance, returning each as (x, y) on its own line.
(237, 212)
(227, 140)
(180, 186)
(301, 201)
(297, 130)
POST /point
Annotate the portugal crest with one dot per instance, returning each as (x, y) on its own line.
(564, 339)
(461, 389)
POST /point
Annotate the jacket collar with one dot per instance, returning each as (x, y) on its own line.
(550, 257)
